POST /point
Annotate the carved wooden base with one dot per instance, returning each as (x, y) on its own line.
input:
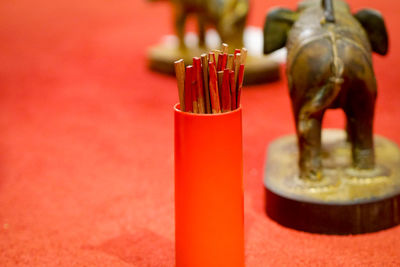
(258, 70)
(346, 201)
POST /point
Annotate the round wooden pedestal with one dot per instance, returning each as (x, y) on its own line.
(346, 200)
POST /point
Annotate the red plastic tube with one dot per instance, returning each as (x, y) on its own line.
(209, 217)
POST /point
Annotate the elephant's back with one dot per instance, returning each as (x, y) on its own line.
(310, 70)
(310, 27)
(312, 63)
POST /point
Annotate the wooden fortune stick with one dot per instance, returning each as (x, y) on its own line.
(225, 48)
(220, 76)
(225, 92)
(214, 94)
(179, 66)
(194, 91)
(232, 85)
(216, 53)
(219, 62)
(224, 61)
(204, 65)
(236, 63)
(229, 63)
(240, 84)
(211, 56)
(199, 82)
(188, 102)
(243, 52)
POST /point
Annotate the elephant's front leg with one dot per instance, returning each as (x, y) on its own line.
(180, 18)
(202, 30)
(231, 25)
(309, 139)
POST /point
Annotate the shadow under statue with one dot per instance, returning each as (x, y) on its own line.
(343, 182)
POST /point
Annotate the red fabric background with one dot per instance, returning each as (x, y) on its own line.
(86, 141)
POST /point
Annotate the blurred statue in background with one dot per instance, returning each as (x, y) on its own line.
(343, 182)
(229, 18)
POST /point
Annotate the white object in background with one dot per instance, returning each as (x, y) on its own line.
(253, 41)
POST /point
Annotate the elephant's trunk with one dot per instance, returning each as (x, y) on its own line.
(327, 5)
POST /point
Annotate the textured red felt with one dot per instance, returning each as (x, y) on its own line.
(86, 141)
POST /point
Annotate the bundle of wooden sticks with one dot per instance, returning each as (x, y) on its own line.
(213, 83)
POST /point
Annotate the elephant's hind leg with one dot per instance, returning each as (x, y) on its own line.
(309, 123)
(360, 114)
(309, 138)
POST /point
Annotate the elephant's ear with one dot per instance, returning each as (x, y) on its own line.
(374, 25)
(276, 28)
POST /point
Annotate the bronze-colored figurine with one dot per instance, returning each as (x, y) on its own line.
(329, 65)
(348, 183)
(227, 16)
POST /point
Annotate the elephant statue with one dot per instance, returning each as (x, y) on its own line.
(329, 65)
(227, 16)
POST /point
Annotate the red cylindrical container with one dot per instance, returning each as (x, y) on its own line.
(209, 216)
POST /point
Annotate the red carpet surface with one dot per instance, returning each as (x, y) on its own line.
(86, 141)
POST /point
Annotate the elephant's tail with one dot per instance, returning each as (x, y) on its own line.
(337, 67)
(335, 81)
(330, 90)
